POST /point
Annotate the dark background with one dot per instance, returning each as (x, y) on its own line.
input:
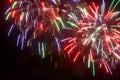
(21, 65)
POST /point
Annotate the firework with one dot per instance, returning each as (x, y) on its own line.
(39, 23)
(97, 38)
(91, 32)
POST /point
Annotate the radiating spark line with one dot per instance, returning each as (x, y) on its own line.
(43, 50)
(89, 61)
(14, 4)
(65, 39)
(58, 45)
(18, 39)
(39, 48)
(10, 30)
(57, 26)
(93, 67)
(8, 15)
(76, 56)
(105, 66)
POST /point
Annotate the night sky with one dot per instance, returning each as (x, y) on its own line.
(19, 64)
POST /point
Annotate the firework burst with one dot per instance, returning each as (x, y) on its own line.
(39, 23)
(99, 34)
